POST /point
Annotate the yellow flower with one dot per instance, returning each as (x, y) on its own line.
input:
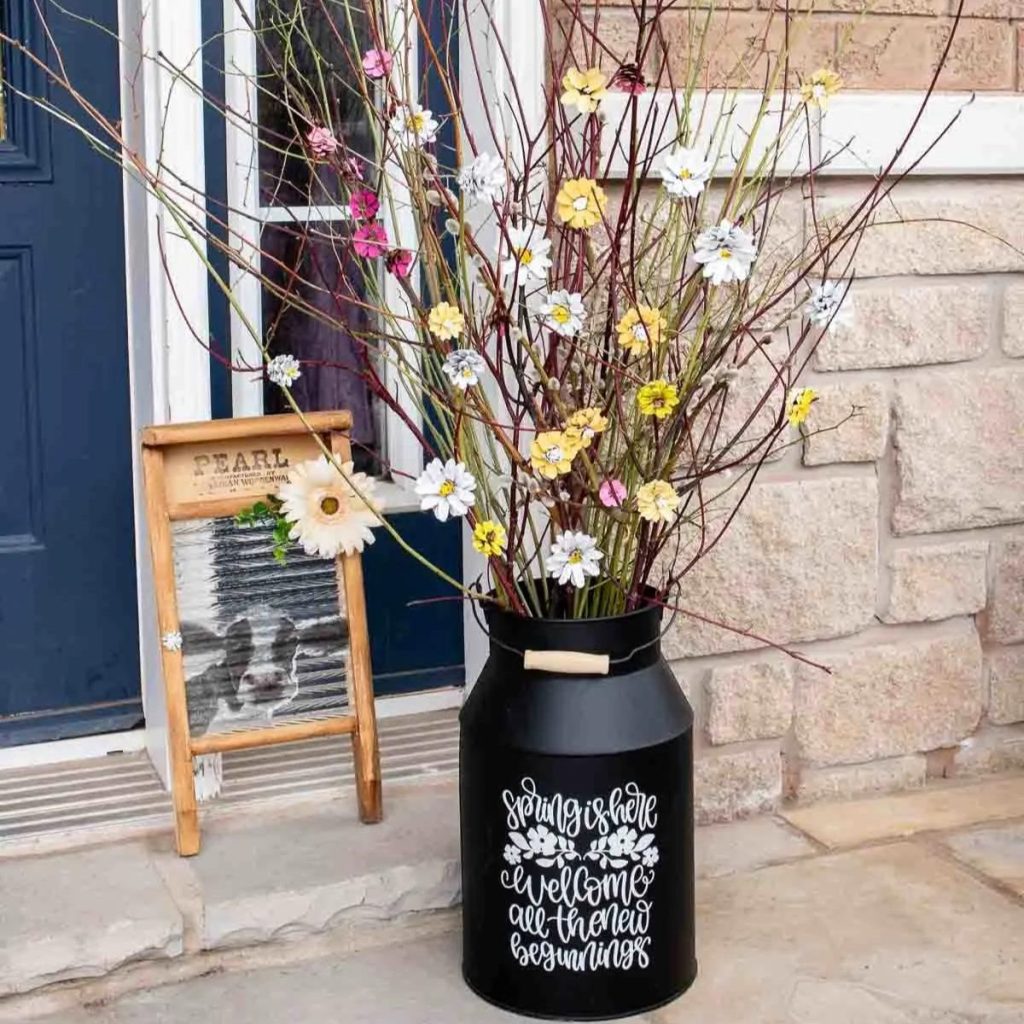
(657, 501)
(445, 321)
(584, 90)
(489, 537)
(581, 202)
(817, 90)
(552, 452)
(641, 328)
(798, 407)
(658, 398)
(584, 425)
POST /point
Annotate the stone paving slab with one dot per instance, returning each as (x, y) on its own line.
(82, 914)
(746, 846)
(996, 852)
(261, 878)
(940, 808)
(891, 935)
(404, 984)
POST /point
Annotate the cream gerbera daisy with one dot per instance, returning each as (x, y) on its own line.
(328, 517)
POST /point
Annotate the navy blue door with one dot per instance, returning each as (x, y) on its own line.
(68, 630)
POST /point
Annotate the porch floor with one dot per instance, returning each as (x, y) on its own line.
(904, 909)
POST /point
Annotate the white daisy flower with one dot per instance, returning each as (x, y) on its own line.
(529, 254)
(484, 180)
(726, 252)
(574, 557)
(328, 517)
(563, 313)
(463, 367)
(650, 857)
(512, 854)
(283, 371)
(414, 125)
(685, 172)
(446, 489)
(830, 305)
(171, 640)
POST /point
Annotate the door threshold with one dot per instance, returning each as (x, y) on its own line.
(32, 755)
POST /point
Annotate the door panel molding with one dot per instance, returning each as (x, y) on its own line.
(25, 152)
(21, 521)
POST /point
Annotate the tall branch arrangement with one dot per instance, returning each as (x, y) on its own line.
(577, 293)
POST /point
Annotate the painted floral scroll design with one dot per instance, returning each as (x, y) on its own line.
(546, 848)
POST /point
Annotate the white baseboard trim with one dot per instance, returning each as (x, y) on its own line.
(419, 703)
(34, 755)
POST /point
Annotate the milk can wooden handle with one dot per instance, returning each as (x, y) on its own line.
(569, 662)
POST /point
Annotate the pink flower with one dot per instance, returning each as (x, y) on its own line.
(400, 261)
(370, 240)
(612, 493)
(352, 167)
(322, 143)
(363, 204)
(377, 63)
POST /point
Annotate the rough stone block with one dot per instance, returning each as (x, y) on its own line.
(1006, 686)
(933, 228)
(736, 784)
(619, 33)
(81, 914)
(897, 325)
(841, 781)
(774, 571)
(937, 582)
(903, 53)
(739, 48)
(853, 420)
(1004, 620)
(889, 699)
(959, 451)
(1013, 319)
(749, 702)
(1002, 9)
(993, 749)
(734, 420)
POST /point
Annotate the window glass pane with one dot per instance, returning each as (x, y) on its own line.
(305, 76)
(324, 278)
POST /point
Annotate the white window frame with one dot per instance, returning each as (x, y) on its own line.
(246, 220)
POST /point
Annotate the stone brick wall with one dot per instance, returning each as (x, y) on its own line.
(880, 45)
(890, 549)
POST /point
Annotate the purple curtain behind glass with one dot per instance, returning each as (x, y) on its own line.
(328, 275)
